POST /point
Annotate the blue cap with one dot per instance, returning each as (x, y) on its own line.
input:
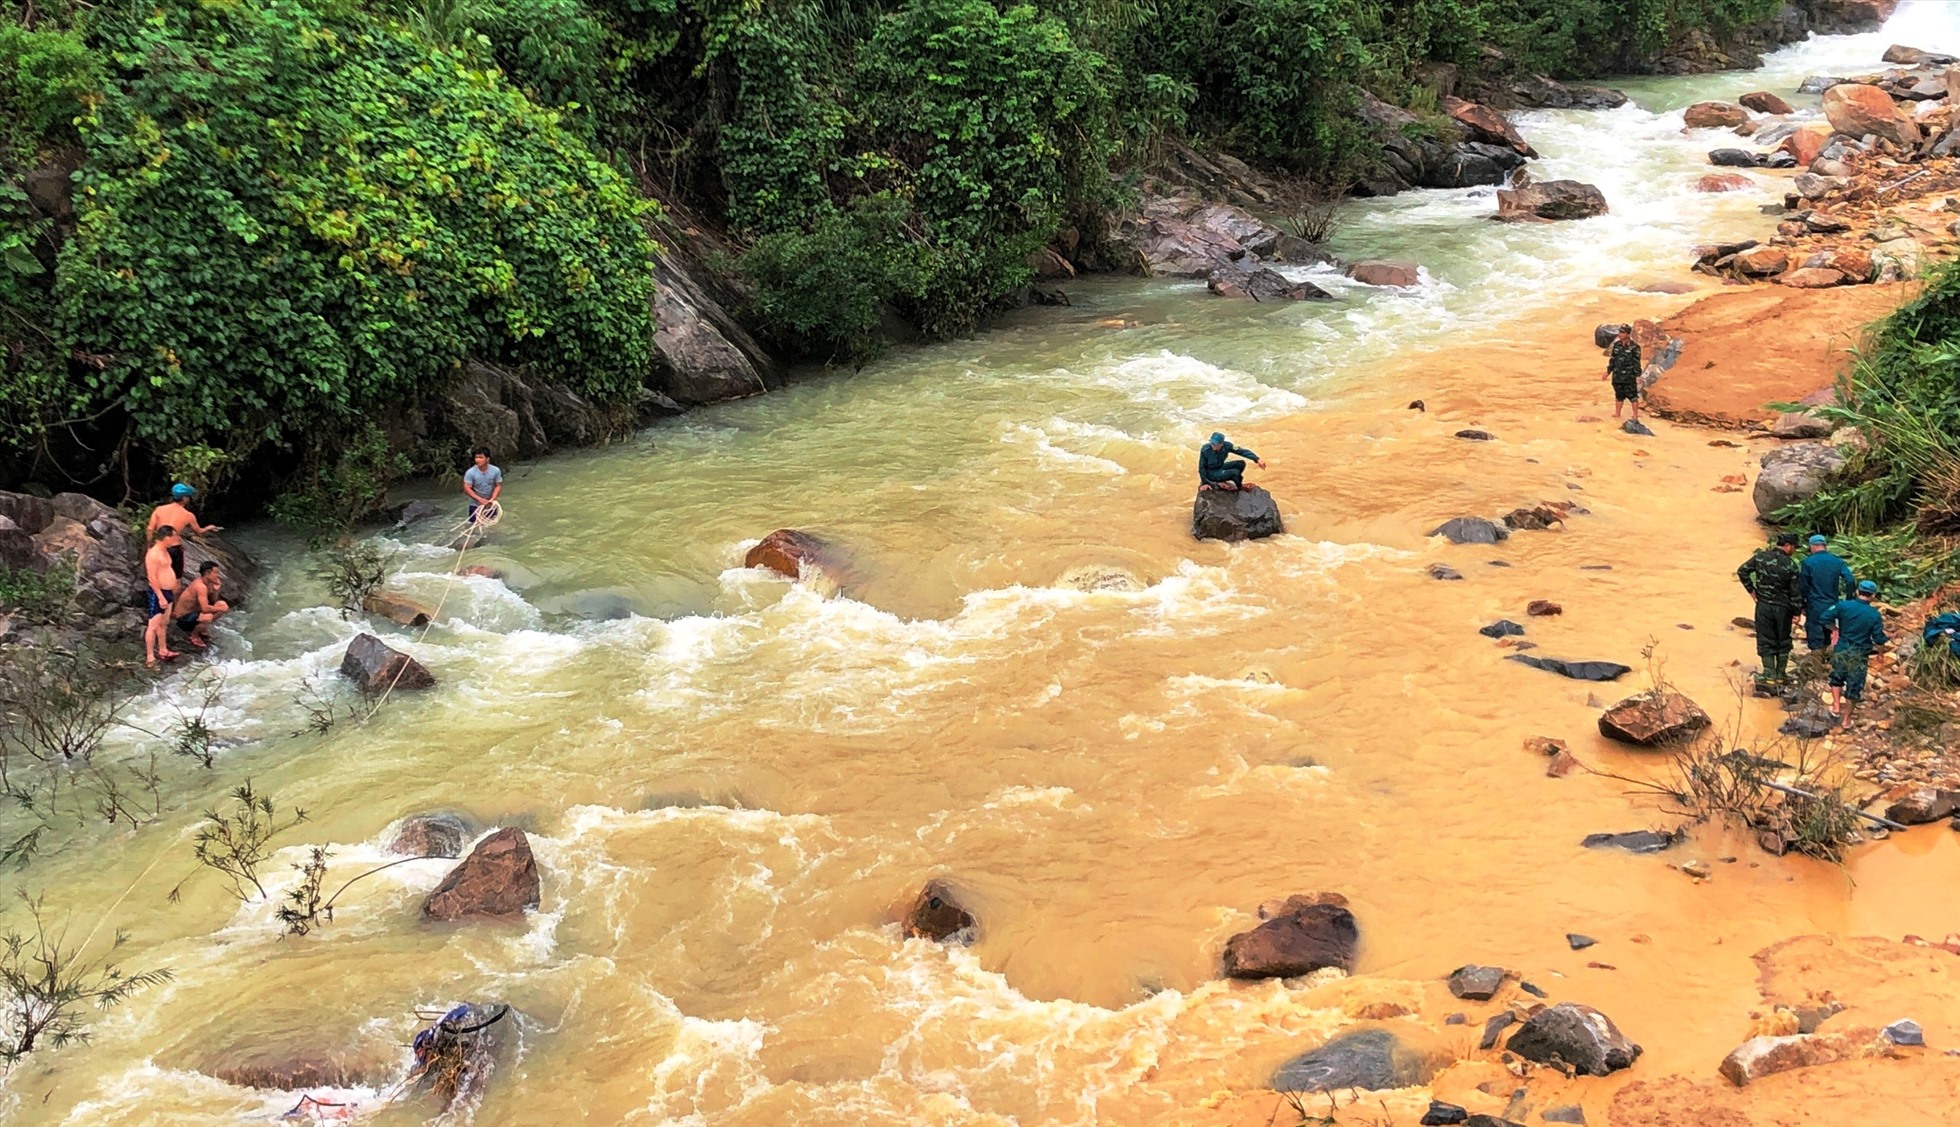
(1868, 588)
(181, 491)
(1217, 436)
(1818, 541)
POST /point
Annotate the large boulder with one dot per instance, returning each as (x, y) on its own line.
(1369, 1059)
(1714, 115)
(1766, 1056)
(1168, 248)
(18, 552)
(1898, 260)
(789, 552)
(1550, 200)
(1859, 111)
(701, 354)
(1923, 805)
(1385, 272)
(373, 666)
(1486, 124)
(398, 609)
(1309, 935)
(1574, 1035)
(497, 881)
(938, 915)
(1246, 278)
(1653, 719)
(1794, 473)
(1762, 101)
(1244, 514)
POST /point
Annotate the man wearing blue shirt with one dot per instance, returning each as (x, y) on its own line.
(483, 483)
(1826, 579)
(1215, 472)
(1861, 629)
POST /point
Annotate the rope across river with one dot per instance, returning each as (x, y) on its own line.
(463, 535)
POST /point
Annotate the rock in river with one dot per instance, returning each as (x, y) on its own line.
(1856, 110)
(1714, 115)
(1552, 199)
(497, 881)
(1471, 530)
(1653, 720)
(1477, 983)
(1300, 941)
(788, 551)
(376, 668)
(430, 835)
(1246, 278)
(1577, 670)
(938, 916)
(1385, 272)
(1635, 841)
(1762, 101)
(1369, 1059)
(1923, 805)
(1244, 514)
(1577, 1035)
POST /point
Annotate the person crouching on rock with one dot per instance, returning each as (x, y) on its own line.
(1215, 471)
(1623, 368)
(1861, 629)
(160, 592)
(199, 605)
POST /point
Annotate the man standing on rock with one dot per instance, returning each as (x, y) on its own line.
(1861, 629)
(1215, 472)
(483, 483)
(1826, 579)
(1774, 580)
(1623, 368)
(160, 593)
(177, 514)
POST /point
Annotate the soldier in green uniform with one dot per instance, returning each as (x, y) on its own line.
(1623, 368)
(1861, 629)
(1774, 580)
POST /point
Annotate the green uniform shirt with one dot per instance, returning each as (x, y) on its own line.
(1773, 577)
(1624, 366)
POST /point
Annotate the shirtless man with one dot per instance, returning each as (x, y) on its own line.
(199, 605)
(160, 591)
(177, 514)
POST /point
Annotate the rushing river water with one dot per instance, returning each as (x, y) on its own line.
(1116, 740)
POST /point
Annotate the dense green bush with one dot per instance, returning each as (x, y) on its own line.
(294, 215)
(824, 286)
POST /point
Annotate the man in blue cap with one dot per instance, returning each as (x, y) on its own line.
(1861, 629)
(1826, 578)
(1216, 472)
(175, 513)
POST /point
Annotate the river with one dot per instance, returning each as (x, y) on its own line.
(1115, 740)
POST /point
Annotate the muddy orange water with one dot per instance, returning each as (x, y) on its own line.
(1116, 740)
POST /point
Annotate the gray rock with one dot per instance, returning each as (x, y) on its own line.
(1794, 473)
(1477, 983)
(417, 511)
(1577, 670)
(1801, 424)
(1818, 83)
(1471, 530)
(1635, 426)
(1576, 1035)
(701, 354)
(1568, 1113)
(1811, 186)
(1905, 1031)
(18, 552)
(1244, 514)
(371, 664)
(1495, 1026)
(1637, 841)
(1579, 942)
(1812, 723)
(1604, 335)
(1440, 571)
(430, 835)
(1502, 628)
(1441, 1114)
(1371, 1059)
(1551, 199)
(1246, 278)
(1734, 158)
(1923, 806)
(1475, 435)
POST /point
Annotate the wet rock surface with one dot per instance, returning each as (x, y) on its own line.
(498, 881)
(1477, 983)
(1299, 941)
(1653, 720)
(375, 667)
(938, 915)
(1635, 841)
(1471, 530)
(788, 551)
(1243, 514)
(1369, 1059)
(1550, 200)
(430, 835)
(1577, 670)
(1576, 1035)
(1794, 473)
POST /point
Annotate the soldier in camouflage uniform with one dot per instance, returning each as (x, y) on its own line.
(1773, 578)
(1623, 368)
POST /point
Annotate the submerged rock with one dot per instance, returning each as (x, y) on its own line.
(1550, 200)
(498, 881)
(1245, 278)
(376, 668)
(1577, 670)
(1243, 514)
(788, 551)
(430, 835)
(1471, 530)
(1443, 571)
(398, 609)
(937, 915)
(1577, 1035)
(1300, 941)
(1636, 841)
(1370, 1059)
(1653, 720)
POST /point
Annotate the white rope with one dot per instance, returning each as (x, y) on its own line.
(468, 529)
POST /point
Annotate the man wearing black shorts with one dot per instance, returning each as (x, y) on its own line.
(199, 605)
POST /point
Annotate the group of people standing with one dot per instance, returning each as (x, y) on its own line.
(1834, 605)
(192, 606)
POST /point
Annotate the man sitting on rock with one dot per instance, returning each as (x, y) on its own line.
(160, 593)
(199, 605)
(1216, 472)
(1623, 368)
(1861, 629)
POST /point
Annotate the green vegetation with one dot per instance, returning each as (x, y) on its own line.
(291, 219)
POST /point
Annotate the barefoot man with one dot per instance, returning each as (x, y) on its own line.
(1216, 472)
(160, 592)
(483, 483)
(1861, 629)
(177, 514)
(1623, 368)
(199, 606)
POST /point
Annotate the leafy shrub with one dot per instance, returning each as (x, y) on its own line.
(823, 287)
(335, 495)
(291, 216)
(45, 72)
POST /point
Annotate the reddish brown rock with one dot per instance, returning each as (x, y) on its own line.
(937, 915)
(1486, 124)
(1713, 115)
(1553, 199)
(1922, 805)
(482, 571)
(1812, 278)
(1650, 720)
(1858, 111)
(787, 552)
(1561, 765)
(1762, 101)
(1762, 261)
(1766, 1056)
(1301, 941)
(497, 881)
(376, 667)
(1048, 265)
(398, 609)
(1724, 182)
(271, 1067)
(1855, 263)
(1543, 608)
(1806, 143)
(1385, 272)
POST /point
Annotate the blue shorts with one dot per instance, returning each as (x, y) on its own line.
(150, 597)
